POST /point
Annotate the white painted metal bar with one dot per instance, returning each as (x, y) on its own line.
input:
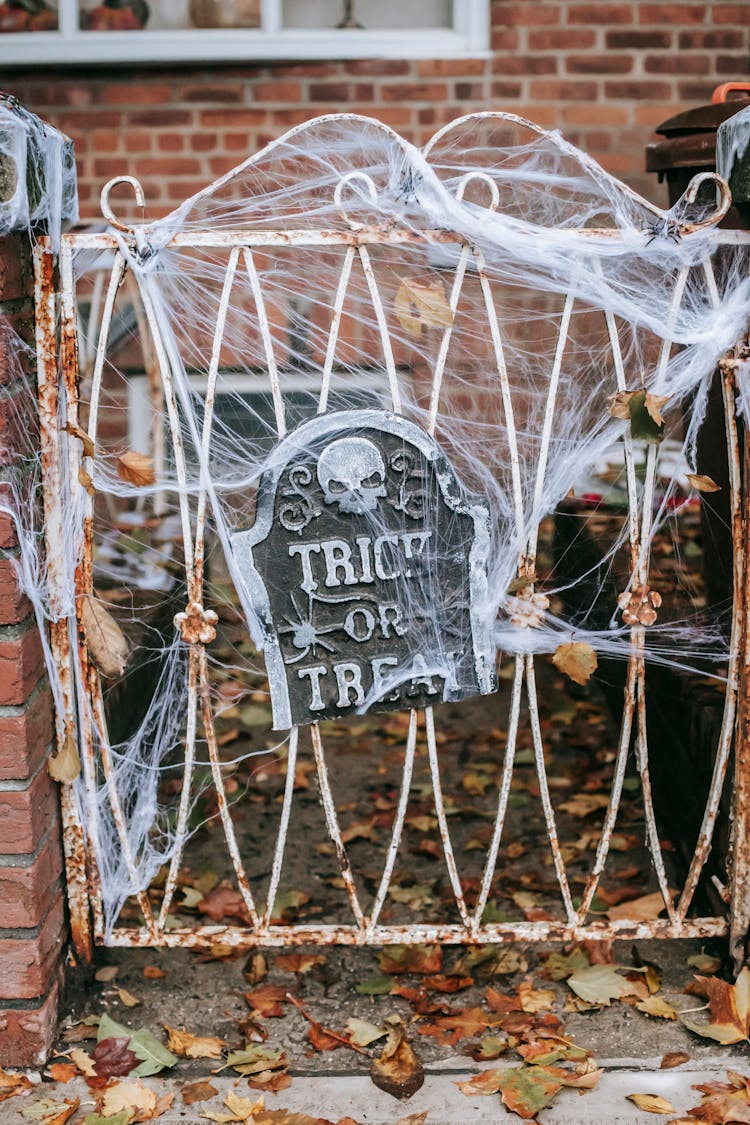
(265, 334)
(398, 823)
(333, 332)
(504, 794)
(281, 839)
(329, 808)
(549, 813)
(450, 859)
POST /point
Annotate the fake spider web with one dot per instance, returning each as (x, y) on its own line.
(497, 290)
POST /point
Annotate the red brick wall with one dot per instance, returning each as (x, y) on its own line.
(32, 925)
(605, 73)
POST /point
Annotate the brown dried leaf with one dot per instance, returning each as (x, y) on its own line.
(107, 645)
(65, 766)
(127, 998)
(89, 449)
(106, 973)
(703, 483)
(674, 1058)
(14, 1085)
(426, 959)
(721, 1109)
(255, 968)
(198, 1092)
(62, 1072)
(419, 303)
(86, 481)
(267, 1000)
(486, 1083)
(576, 659)
(135, 468)
(729, 1005)
(189, 1046)
(647, 908)
(224, 902)
(299, 962)
(651, 1103)
(397, 1070)
(153, 972)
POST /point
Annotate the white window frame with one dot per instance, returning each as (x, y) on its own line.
(469, 37)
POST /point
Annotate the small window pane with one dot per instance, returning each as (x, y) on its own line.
(367, 14)
(163, 15)
(29, 17)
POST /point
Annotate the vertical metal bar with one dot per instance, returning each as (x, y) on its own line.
(329, 807)
(333, 331)
(739, 926)
(65, 721)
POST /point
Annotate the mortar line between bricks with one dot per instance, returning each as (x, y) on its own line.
(28, 933)
(20, 786)
(18, 710)
(26, 859)
(13, 632)
(29, 1004)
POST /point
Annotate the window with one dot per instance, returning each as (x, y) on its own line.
(131, 31)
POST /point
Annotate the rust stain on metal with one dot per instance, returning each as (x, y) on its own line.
(197, 627)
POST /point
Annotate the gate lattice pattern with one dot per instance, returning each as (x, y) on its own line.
(360, 256)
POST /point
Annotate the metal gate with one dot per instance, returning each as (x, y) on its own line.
(81, 713)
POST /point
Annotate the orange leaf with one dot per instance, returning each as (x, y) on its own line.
(135, 468)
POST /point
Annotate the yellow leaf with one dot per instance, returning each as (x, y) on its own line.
(128, 1095)
(190, 1046)
(65, 766)
(654, 404)
(76, 431)
(83, 1061)
(107, 645)
(135, 468)
(703, 483)
(647, 908)
(576, 659)
(655, 1006)
(651, 1103)
(419, 303)
(127, 998)
(363, 1033)
(242, 1107)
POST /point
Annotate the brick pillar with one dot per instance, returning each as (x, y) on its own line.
(33, 927)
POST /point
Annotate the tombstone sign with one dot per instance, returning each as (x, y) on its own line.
(367, 568)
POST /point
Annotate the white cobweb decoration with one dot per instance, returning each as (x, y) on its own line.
(497, 288)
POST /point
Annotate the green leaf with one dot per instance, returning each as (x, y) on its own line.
(375, 986)
(46, 1108)
(154, 1055)
(559, 966)
(253, 1060)
(642, 424)
(527, 1089)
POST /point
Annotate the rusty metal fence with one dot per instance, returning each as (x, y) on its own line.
(60, 356)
